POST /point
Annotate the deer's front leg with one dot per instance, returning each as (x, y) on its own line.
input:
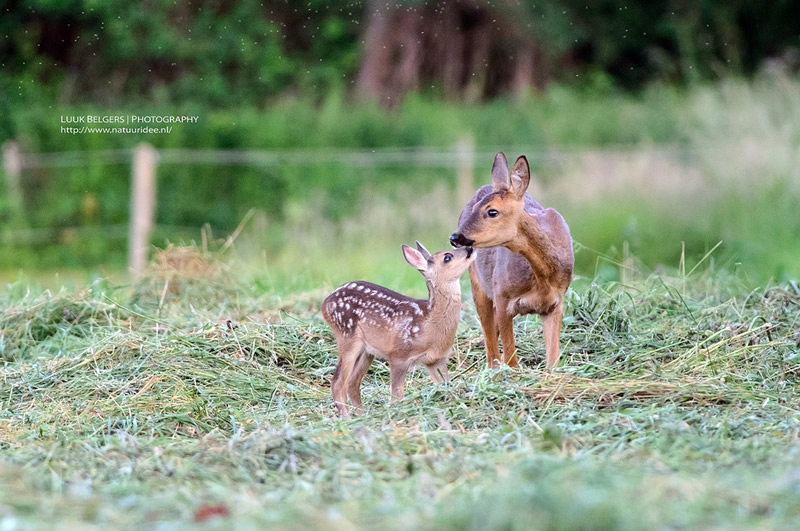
(485, 309)
(551, 326)
(505, 325)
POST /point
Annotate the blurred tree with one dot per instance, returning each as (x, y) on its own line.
(162, 51)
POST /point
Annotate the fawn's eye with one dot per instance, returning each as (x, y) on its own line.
(492, 213)
(448, 257)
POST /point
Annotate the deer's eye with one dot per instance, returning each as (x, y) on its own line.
(492, 213)
(447, 258)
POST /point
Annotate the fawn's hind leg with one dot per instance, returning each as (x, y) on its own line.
(354, 389)
(348, 355)
(397, 374)
(438, 370)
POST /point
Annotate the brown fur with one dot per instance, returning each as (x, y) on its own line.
(524, 260)
(371, 321)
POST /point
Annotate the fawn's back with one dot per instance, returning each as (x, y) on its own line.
(385, 320)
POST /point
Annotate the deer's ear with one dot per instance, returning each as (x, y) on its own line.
(421, 248)
(500, 180)
(415, 258)
(520, 177)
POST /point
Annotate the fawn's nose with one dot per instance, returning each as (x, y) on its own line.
(469, 252)
(458, 240)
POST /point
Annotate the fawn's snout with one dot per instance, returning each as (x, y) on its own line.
(459, 240)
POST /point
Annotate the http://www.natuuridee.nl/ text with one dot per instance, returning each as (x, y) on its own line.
(123, 123)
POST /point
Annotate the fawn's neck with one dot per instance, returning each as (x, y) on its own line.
(444, 305)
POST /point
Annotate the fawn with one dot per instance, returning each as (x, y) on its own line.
(369, 320)
(523, 260)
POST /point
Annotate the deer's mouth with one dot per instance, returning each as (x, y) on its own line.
(459, 240)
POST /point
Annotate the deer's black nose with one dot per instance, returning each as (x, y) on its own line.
(469, 251)
(458, 240)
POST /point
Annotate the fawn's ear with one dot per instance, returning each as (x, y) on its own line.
(421, 248)
(520, 177)
(500, 173)
(415, 258)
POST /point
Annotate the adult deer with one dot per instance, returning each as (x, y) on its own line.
(371, 321)
(524, 260)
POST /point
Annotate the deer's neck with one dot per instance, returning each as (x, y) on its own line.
(536, 245)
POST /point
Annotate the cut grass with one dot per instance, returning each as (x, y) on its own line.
(185, 396)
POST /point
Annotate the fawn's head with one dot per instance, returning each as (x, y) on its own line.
(495, 218)
(442, 267)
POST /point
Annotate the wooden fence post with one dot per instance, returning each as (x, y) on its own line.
(465, 181)
(143, 199)
(12, 167)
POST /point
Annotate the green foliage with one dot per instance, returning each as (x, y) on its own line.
(166, 53)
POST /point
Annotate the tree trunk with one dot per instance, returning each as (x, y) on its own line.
(409, 60)
(376, 64)
(523, 72)
(481, 37)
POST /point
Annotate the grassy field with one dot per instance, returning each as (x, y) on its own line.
(192, 397)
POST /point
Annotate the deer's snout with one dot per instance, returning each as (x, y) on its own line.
(469, 252)
(459, 240)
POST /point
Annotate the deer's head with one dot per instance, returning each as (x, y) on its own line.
(494, 219)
